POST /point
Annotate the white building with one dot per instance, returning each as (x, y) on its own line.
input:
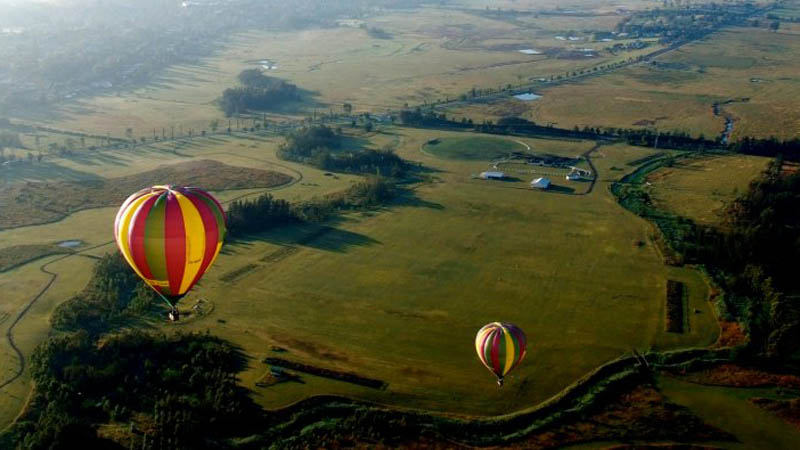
(540, 183)
(491, 175)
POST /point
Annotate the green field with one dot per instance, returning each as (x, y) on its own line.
(679, 91)
(397, 294)
(700, 188)
(473, 148)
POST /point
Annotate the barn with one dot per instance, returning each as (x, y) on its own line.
(492, 175)
(540, 183)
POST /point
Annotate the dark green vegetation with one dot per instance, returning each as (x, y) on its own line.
(752, 257)
(326, 149)
(114, 296)
(675, 306)
(266, 212)
(258, 92)
(178, 392)
(473, 148)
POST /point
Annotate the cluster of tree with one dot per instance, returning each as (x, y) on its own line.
(266, 212)
(9, 139)
(262, 213)
(114, 295)
(752, 257)
(320, 147)
(675, 24)
(177, 392)
(789, 150)
(258, 92)
(377, 33)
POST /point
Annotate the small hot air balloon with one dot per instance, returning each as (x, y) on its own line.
(170, 236)
(500, 347)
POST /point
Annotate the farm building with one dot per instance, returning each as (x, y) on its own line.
(540, 183)
(492, 175)
(578, 174)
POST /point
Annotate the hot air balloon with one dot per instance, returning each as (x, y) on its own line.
(170, 236)
(500, 347)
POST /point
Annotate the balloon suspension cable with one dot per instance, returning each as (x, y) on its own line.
(169, 303)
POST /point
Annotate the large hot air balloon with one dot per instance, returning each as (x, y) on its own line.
(170, 236)
(500, 347)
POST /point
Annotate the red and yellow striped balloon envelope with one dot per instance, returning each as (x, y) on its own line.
(170, 236)
(501, 347)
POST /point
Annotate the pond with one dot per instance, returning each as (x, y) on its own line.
(530, 51)
(527, 97)
(70, 244)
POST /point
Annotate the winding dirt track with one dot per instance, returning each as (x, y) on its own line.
(54, 276)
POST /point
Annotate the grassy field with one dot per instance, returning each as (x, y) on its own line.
(405, 289)
(473, 148)
(397, 294)
(700, 188)
(679, 91)
(434, 53)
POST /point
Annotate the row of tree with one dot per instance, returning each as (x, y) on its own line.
(752, 257)
(266, 212)
(322, 147)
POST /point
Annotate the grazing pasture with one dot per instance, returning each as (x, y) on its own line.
(473, 148)
(700, 188)
(396, 294)
(753, 67)
(433, 54)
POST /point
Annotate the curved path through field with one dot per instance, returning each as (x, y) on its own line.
(9, 335)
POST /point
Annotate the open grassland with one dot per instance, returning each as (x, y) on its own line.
(398, 294)
(93, 228)
(473, 148)
(678, 92)
(433, 54)
(36, 203)
(700, 188)
(19, 286)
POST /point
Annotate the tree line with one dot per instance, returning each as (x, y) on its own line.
(752, 256)
(266, 212)
(789, 149)
(322, 147)
(258, 92)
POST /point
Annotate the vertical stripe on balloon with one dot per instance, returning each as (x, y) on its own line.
(174, 244)
(195, 236)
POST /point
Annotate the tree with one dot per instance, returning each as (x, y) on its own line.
(214, 125)
(774, 25)
(348, 108)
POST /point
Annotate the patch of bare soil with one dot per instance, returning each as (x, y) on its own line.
(36, 203)
(733, 375)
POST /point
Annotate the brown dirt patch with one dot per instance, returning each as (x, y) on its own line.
(787, 410)
(731, 335)
(733, 375)
(640, 414)
(36, 203)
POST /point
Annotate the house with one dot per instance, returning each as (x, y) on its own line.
(540, 183)
(492, 175)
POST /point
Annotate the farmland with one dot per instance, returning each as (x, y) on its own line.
(381, 304)
(332, 298)
(677, 91)
(700, 189)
